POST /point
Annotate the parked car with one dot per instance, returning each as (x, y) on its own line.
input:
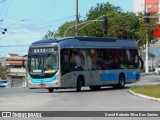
(157, 70)
(4, 83)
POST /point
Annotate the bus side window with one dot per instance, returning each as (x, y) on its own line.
(116, 64)
(100, 61)
(94, 56)
(108, 59)
(122, 57)
(133, 60)
(72, 61)
(65, 61)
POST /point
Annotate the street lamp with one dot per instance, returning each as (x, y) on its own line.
(4, 30)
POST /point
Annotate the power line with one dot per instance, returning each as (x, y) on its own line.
(58, 20)
(3, 8)
(2, 1)
(14, 46)
(39, 26)
(7, 9)
(5, 37)
(15, 23)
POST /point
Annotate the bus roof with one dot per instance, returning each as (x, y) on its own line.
(89, 42)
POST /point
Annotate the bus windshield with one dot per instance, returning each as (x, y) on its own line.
(41, 64)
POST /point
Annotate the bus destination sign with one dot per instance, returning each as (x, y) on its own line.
(44, 50)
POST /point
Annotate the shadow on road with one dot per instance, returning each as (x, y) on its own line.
(86, 89)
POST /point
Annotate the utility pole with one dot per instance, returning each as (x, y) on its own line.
(147, 53)
(147, 44)
(76, 18)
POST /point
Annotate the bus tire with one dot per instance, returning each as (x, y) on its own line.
(137, 77)
(50, 90)
(79, 84)
(93, 88)
(121, 81)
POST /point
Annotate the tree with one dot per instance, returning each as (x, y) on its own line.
(50, 35)
(65, 26)
(143, 29)
(121, 24)
(4, 72)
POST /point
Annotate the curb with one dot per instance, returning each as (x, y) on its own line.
(143, 96)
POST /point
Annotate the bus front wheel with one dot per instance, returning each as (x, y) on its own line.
(50, 90)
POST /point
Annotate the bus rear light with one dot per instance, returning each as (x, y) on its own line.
(42, 85)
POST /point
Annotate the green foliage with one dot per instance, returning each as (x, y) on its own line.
(50, 35)
(121, 24)
(3, 74)
(143, 29)
(64, 27)
(148, 90)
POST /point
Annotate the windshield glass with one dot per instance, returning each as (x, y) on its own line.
(41, 64)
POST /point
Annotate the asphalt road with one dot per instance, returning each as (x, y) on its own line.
(107, 99)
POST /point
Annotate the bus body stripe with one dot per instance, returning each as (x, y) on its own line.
(115, 76)
(110, 76)
(42, 80)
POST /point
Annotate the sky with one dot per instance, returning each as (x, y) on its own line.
(29, 20)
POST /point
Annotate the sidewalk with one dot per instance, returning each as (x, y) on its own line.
(149, 73)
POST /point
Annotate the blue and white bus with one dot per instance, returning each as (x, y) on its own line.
(82, 61)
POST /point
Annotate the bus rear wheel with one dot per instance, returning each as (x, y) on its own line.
(50, 90)
(121, 83)
(79, 84)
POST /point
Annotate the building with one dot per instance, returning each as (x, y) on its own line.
(150, 6)
(146, 6)
(152, 60)
(12, 55)
(15, 66)
(138, 6)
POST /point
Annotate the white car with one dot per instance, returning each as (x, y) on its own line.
(4, 83)
(157, 70)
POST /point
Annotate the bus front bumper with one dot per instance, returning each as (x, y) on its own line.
(55, 84)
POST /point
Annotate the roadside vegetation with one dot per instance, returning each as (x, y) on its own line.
(126, 25)
(148, 90)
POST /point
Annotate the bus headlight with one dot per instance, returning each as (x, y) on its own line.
(57, 77)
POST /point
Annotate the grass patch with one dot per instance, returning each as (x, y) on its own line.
(148, 90)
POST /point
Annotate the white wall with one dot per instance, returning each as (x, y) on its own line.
(138, 6)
